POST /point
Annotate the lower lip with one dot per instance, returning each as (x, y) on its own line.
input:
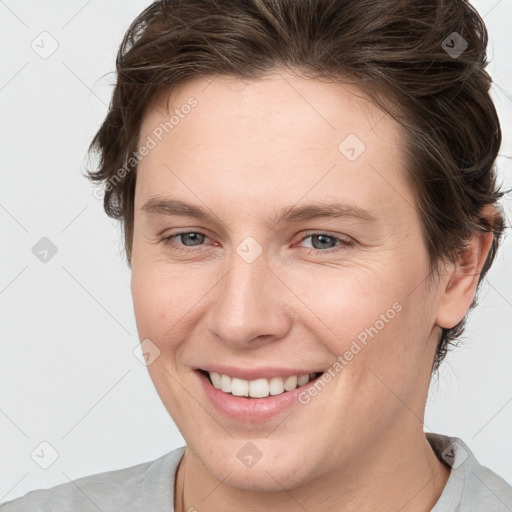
(251, 410)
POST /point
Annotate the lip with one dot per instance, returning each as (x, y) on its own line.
(258, 373)
(251, 410)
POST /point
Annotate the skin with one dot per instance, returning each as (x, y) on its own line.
(245, 152)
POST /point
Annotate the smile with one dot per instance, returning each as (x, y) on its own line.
(259, 388)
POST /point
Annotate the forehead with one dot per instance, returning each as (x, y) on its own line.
(279, 103)
(280, 135)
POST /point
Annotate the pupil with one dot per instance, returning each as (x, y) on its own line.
(191, 235)
(322, 244)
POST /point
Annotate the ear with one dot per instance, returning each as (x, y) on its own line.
(458, 283)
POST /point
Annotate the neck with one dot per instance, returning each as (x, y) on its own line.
(402, 473)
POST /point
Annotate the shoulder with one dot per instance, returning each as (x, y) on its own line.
(485, 487)
(127, 489)
(471, 486)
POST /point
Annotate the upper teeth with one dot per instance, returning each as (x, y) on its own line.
(259, 388)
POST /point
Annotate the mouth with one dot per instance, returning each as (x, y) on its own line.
(261, 387)
(253, 396)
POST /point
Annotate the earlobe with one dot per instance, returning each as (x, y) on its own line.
(458, 286)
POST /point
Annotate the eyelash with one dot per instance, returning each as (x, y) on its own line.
(168, 242)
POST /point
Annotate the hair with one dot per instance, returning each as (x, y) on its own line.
(397, 51)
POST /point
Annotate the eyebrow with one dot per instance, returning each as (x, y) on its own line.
(315, 210)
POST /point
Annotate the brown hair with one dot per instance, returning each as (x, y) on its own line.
(402, 53)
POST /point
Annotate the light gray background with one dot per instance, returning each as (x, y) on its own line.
(68, 374)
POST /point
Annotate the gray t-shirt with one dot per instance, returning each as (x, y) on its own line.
(149, 487)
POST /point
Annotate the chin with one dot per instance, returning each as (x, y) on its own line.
(266, 478)
(276, 470)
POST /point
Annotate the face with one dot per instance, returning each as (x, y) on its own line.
(276, 237)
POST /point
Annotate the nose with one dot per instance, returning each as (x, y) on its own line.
(249, 307)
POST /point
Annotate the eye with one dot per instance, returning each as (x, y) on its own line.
(319, 241)
(186, 241)
(194, 237)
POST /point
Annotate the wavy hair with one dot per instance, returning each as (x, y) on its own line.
(405, 54)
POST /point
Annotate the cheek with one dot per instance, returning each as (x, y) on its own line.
(386, 351)
(166, 301)
(346, 304)
(375, 325)
(163, 305)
